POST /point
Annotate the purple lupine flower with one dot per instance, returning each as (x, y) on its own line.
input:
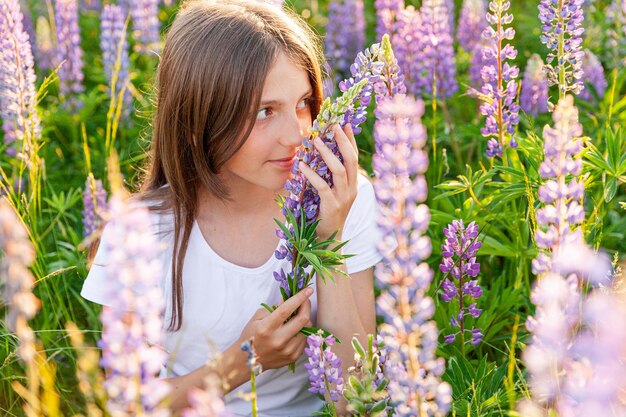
(145, 17)
(375, 70)
(324, 367)
(253, 360)
(499, 88)
(596, 381)
(407, 44)
(95, 205)
(68, 51)
(400, 186)
(345, 35)
(477, 62)
(386, 15)
(556, 300)
(471, 23)
(28, 25)
(451, 10)
(562, 212)
(113, 44)
(302, 195)
(17, 281)
(18, 104)
(91, 5)
(45, 50)
(534, 95)
(574, 360)
(438, 67)
(593, 76)
(132, 328)
(562, 34)
(616, 33)
(459, 260)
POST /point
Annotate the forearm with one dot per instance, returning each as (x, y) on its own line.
(230, 368)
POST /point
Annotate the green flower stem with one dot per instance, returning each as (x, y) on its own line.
(255, 407)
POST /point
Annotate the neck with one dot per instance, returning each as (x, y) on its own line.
(245, 199)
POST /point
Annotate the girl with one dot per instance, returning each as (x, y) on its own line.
(239, 83)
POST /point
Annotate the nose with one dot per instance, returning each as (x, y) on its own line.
(296, 127)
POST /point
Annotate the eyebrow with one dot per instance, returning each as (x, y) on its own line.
(277, 102)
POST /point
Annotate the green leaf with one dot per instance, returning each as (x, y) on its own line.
(610, 189)
(358, 348)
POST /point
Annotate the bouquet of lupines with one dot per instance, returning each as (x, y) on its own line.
(375, 70)
(366, 386)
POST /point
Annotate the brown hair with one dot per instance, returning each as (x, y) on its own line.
(210, 78)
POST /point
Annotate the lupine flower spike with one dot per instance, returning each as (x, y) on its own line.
(95, 205)
(436, 41)
(132, 326)
(459, 261)
(574, 359)
(407, 45)
(345, 35)
(68, 51)
(18, 105)
(46, 52)
(471, 23)
(562, 33)
(616, 33)
(17, 281)
(534, 96)
(255, 369)
(324, 368)
(366, 387)
(559, 219)
(374, 71)
(593, 77)
(400, 163)
(145, 17)
(499, 88)
(114, 48)
(386, 16)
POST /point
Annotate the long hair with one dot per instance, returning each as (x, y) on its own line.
(210, 78)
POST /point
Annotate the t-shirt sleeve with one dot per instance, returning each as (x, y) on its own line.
(361, 229)
(96, 287)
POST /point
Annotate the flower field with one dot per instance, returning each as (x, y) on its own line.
(494, 133)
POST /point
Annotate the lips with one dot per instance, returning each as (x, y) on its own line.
(284, 163)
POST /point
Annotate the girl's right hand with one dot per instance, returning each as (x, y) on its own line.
(278, 343)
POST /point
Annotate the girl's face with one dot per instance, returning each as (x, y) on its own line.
(282, 120)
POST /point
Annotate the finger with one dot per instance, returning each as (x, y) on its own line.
(295, 347)
(297, 322)
(335, 166)
(260, 314)
(350, 134)
(316, 181)
(350, 156)
(284, 311)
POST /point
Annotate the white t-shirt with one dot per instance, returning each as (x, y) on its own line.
(221, 297)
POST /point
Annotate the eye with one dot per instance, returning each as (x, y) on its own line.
(304, 103)
(263, 113)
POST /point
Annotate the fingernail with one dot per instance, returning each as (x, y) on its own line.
(308, 291)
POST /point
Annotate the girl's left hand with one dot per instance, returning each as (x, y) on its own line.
(335, 202)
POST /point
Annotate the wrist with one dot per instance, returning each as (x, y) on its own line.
(231, 366)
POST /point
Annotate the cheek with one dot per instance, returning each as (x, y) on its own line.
(250, 155)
